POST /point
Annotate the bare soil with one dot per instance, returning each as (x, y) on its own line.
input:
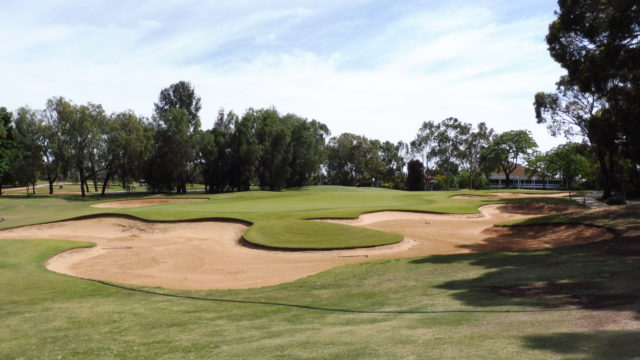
(209, 254)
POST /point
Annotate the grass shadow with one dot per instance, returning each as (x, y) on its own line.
(589, 345)
(593, 276)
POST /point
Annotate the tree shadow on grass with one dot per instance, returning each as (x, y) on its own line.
(589, 345)
(593, 276)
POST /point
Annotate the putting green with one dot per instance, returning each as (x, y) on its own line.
(305, 234)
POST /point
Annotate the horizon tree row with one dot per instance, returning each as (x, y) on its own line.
(261, 147)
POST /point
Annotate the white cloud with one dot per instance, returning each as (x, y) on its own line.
(427, 65)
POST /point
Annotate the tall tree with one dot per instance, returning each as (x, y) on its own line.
(415, 175)
(308, 139)
(80, 129)
(450, 137)
(507, 150)
(574, 113)
(539, 166)
(424, 145)
(353, 160)
(245, 150)
(180, 95)
(472, 147)
(393, 163)
(177, 126)
(567, 160)
(128, 145)
(170, 165)
(598, 43)
(273, 133)
(55, 150)
(7, 144)
(30, 139)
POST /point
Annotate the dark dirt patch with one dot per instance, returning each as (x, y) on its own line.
(533, 237)
(536, 208)
(584, 294)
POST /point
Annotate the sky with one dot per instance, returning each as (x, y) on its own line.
(377, 68)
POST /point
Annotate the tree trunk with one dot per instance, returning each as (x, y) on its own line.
(0, 188)
(51, 181)
(105, 183)
(82, 181)
(507, 180)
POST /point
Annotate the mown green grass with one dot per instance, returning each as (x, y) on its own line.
(442, 307)
(299, 234)
(257, 207)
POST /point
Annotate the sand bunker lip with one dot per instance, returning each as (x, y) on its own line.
(202, 255)
(126, 204)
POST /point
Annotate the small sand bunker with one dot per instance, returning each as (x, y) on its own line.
(209, 254)
(125, 204)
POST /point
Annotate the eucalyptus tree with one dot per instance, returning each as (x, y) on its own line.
(424, 145)
(7, 144)
(598, 43)
(346, 159)
(29, 139)
(177, 136)
(216, 152)
(245, 151)
(128, 145)
(539, 166)
(472, 147)
(574, 113)
(308, 141)
(80, 128)
(450, 135)
(569, 162)
(393, 163)
(169, 167)
(273, 133)
(506, 151)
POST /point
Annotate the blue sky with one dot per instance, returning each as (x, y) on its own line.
(373, 67)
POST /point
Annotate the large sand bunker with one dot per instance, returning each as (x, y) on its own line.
(209, 255)
(125, 204)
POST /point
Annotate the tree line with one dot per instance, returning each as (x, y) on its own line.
(261, 147)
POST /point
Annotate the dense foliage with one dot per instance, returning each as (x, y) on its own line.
(598, 43)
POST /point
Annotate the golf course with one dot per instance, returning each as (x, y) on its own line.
(318, 272)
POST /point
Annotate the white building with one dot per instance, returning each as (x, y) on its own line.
(520, 180)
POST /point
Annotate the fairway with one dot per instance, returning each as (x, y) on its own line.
(479, 301)
(213, 253)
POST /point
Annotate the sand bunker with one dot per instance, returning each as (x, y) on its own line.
(208, 254)
(125, 204)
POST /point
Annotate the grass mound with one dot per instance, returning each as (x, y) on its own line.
(301, 234)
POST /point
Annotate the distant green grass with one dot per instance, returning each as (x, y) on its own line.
(261, 208)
